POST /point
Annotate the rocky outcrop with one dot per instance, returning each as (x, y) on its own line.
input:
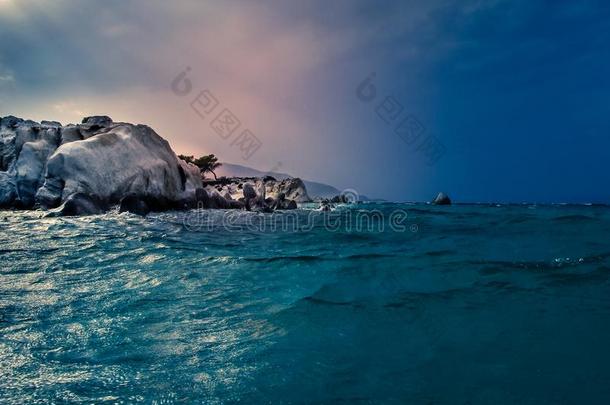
(45, 164)
(292, 189)
(263, 194)
(442, 199)
(87, 168)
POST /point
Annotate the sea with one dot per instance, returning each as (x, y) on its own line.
(369, 303)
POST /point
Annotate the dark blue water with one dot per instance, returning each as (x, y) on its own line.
(464, 305)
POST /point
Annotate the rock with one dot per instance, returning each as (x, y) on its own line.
(8, 191)
(260, 191)
(48, 165)
(44, 164)
(12, 140)
(187, 203)
(255, 197)
(236, 204)
(293, 189)
(248, 191)
(134, 204)
(281, 203)
(82, 204)
(91, 125)
(118, 161)
(50, 195)
(24, 149)
(325, 206)
(442, 199)
(70, 133)
(341, 199)
(30, 167)
(202, 198)
(159, 203)
(10, 121)
(98, 120)
(216, 200)
(50, 124)
(249, 196)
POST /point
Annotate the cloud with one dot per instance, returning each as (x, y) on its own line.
(289, 70)
(75, 110)
(7, 84)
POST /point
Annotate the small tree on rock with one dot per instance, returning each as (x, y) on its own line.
(207, 163)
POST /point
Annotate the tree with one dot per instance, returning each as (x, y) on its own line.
(207, 163)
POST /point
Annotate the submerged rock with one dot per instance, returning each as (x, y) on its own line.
(134, 204)
(82, 204)
(442, 199)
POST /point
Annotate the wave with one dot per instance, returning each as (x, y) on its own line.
(573, 218)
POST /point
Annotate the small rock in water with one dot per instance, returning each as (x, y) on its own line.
(325, 205)
(442, 199)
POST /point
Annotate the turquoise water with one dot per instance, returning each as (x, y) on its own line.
(463, 305)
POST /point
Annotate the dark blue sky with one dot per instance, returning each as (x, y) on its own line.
(516, 92)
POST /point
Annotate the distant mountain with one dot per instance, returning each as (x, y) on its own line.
(314, 189)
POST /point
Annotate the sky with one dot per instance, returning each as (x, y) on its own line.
(488, 101)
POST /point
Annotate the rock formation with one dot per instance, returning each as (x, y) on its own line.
(268, 187)
(44, 164)
(86, 168)
(261, 194)
(442, 199)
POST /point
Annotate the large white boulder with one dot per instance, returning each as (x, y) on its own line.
(119, 160)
